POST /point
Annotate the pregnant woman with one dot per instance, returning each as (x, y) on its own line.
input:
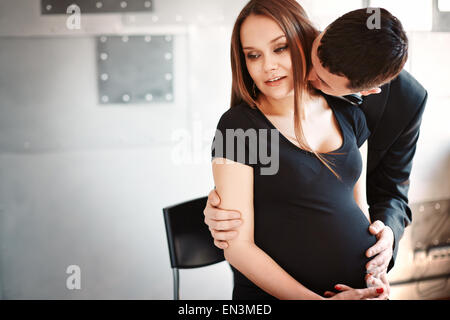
(305, 223)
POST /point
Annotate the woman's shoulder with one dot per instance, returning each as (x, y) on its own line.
(238, 116)
(353, 116)
(350, 112)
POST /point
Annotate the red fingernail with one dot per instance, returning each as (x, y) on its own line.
(337, 287)
(380, 290)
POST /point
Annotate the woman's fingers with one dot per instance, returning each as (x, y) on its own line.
(348, 293)
(342, 287)
(369, 293)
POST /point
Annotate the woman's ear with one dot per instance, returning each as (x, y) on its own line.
(370, 91)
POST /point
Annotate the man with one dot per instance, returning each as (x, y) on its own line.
(348, 58)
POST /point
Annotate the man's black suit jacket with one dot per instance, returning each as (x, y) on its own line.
(394, 118)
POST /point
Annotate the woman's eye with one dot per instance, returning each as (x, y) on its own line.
(252, 56)
(281, 49)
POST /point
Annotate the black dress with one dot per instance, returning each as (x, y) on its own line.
(305, 218)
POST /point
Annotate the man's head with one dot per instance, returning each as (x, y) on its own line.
(349, 57)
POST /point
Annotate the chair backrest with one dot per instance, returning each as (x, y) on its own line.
(189, 239)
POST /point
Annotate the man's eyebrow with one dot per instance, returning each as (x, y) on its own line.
(272, 41)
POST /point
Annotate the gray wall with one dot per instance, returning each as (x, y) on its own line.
(84, 184)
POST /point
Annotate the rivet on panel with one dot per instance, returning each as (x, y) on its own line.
(126, 98)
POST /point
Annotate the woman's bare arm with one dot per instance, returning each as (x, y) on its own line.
(234, 184)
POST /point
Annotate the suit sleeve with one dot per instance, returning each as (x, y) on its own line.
(388, 184)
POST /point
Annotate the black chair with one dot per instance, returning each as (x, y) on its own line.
(189, 239)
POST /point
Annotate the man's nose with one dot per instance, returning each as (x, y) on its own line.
(312, 76)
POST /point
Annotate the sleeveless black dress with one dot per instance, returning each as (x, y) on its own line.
(305, 218)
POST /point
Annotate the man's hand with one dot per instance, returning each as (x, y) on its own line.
(221, 223)
(382, 250)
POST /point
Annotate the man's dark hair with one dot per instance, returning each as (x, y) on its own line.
(367, 57)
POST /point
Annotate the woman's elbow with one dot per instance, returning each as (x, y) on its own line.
(236, 250)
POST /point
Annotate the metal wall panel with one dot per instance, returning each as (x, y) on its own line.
(441, 19)
(135, 69)
(100, 6)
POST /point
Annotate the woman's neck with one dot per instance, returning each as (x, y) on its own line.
(285, 107)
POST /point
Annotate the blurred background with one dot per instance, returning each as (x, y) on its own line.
(107, 116)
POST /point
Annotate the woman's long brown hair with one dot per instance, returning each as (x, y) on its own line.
(300, 34)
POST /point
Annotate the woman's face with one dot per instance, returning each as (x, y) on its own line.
(267, 56)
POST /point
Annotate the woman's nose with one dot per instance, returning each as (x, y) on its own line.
(270, 64)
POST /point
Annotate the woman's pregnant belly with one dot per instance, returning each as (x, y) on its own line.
(319, 248)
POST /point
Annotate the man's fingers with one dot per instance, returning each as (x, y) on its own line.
(218, 214)
(213, 198)
(224, 235)
(226, 225)
(381, 245)
(222, 225)
(376, 227)
(385, 281)
(221, 244)
(379, 261)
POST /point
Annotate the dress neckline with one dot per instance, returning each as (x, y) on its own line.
(338, 120)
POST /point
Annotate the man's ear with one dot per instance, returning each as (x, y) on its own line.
(370, 91)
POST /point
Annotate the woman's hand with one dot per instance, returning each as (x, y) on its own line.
(348, 293)
(379, 281)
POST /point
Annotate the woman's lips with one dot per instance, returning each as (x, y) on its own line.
(275, 83)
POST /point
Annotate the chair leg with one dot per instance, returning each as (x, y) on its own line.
(176, 284)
